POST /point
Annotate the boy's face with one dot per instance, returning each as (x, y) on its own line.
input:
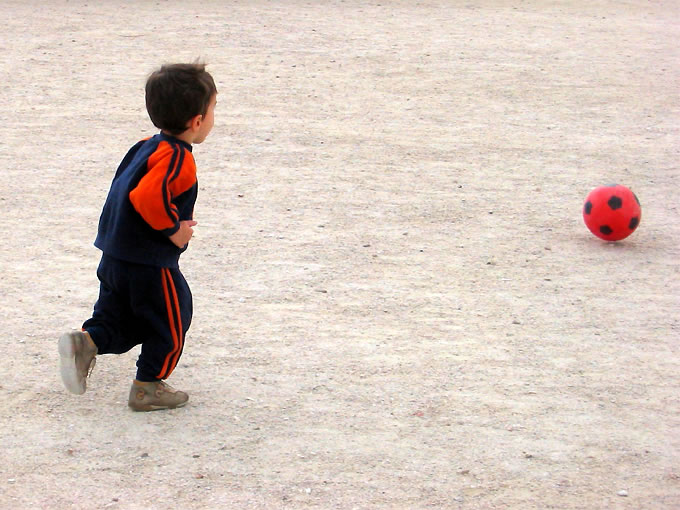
(207, 122)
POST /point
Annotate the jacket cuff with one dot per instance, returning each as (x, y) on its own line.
(169, 231)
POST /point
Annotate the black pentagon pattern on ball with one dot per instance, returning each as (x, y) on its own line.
(634, 221)
(606, 230)
(588, 207)
(615, 202)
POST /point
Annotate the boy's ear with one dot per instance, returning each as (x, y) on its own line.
(195, 122)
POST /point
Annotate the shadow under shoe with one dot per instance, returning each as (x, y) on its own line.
(153, 396)
(76, 360)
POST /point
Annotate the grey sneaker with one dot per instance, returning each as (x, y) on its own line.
(77, 359)
(152, 396)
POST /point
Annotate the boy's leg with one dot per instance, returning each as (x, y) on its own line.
(165, 308)
(166, 314)
(112, 325)
(105, 332)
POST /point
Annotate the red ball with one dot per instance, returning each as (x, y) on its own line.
(612, 212)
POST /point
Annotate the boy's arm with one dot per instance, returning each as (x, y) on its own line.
(171, 172)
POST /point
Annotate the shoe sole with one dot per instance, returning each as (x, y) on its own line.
(67, 365)
(150, 407)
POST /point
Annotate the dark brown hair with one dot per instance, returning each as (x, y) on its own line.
(176, 93)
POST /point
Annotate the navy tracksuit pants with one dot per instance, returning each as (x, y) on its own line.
(146, 305)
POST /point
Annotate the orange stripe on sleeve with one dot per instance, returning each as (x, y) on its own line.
(171, 171)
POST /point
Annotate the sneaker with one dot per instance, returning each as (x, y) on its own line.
(152, 396)
(77, 359)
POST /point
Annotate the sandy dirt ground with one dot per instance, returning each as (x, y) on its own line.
(397, 304)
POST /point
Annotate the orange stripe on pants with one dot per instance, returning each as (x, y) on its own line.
(172, 306)
(180, 329)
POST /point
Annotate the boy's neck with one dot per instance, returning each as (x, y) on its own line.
(187, 136)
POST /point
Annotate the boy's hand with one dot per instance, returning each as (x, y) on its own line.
(182, 237)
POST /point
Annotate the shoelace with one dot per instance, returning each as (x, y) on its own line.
(91, 367)
(167, 387)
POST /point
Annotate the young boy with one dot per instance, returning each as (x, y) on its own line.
(146, 224)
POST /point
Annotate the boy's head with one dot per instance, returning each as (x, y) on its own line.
(177, 93)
